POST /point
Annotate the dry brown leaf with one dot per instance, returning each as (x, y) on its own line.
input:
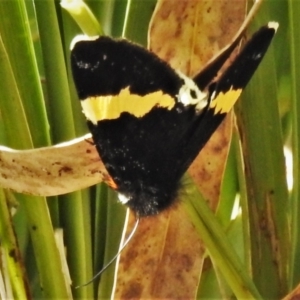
(50, 171)
(293, 295)
(188, 33)
(165, 257)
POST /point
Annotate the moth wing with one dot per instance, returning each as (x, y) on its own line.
(105, 67)
(224, 93)
(147, 155)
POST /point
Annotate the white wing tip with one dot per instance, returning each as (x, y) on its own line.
(274, 25)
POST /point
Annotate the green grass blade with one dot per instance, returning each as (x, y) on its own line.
(18, 136)
(12, 109)
(16, 36)
(74, 208)
(75, 219)
(137, 18)
(229, 188)
(266, 181)
(294, 9)
(219, 248)
(119, 14)
(114, 228)
(83, 16)
(45, 249)
(57, 86)
(243, 200)
(9, 246)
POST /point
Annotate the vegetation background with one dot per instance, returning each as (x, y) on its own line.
(39, 108)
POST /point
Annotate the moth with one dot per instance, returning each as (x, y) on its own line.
(149, 121)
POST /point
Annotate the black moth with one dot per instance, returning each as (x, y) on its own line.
(148, 121)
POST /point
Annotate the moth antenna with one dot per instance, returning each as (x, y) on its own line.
(115, 257)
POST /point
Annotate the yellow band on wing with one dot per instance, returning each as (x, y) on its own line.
(225, 101)
(110, 107)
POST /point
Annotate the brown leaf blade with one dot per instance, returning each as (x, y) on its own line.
(52, 170)
(186, 34)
